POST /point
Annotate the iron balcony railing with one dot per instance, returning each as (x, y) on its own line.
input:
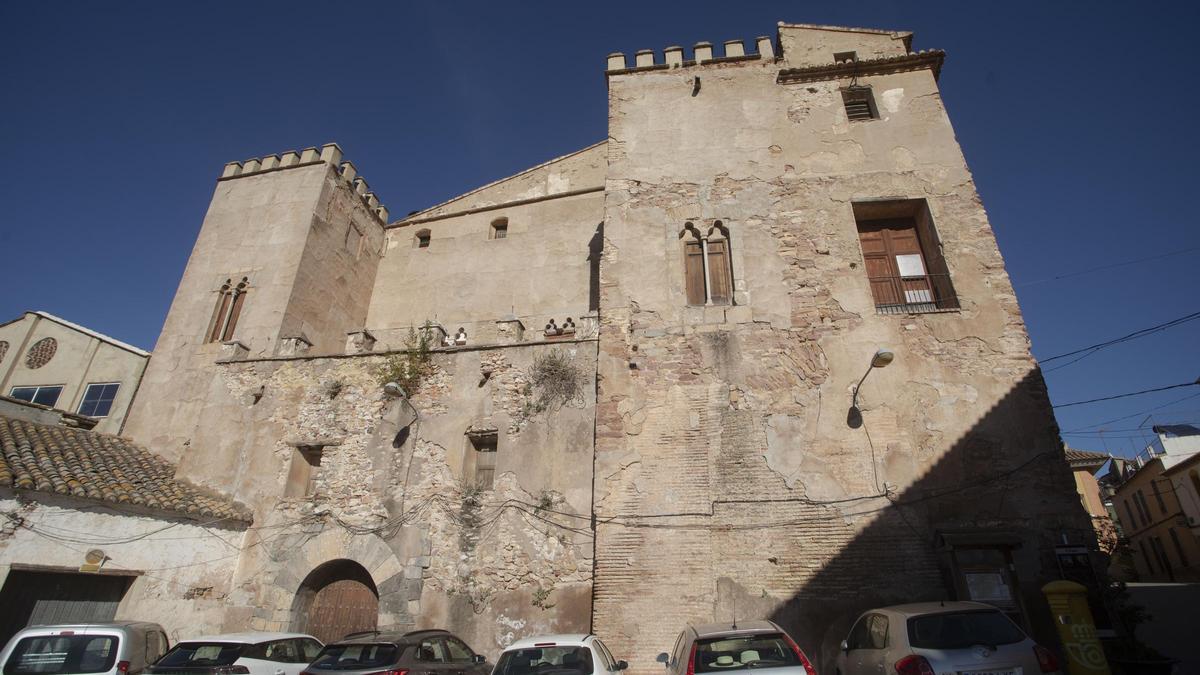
(913, 295)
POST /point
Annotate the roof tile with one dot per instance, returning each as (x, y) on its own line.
(98, 466)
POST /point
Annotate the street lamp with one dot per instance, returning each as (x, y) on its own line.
(881, 359)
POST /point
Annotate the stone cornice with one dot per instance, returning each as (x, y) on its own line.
(930, 58)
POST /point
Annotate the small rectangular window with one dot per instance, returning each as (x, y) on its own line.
(845, 57)
(499, 229)
(482, 469)
(98, 399)
(1158, 497)
(302, 475)
(860, 104)
(43, 394)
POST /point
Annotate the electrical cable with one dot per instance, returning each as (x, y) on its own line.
(1085, 352)
(1142, 412)
(1132, 393)
(1106, 267)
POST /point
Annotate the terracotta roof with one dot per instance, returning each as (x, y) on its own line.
(1085, 458)
(102, 467)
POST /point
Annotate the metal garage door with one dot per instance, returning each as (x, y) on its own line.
(57, 597)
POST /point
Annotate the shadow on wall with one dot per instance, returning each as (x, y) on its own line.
(981, 522)
(595, 252)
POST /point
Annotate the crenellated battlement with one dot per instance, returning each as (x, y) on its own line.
(702, 53)
(330, 153)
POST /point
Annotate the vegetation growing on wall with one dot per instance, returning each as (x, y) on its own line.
(555, 380)
(410, 367)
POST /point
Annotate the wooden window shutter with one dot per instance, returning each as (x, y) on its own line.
(693, 258)
(718, 271)
(219, 313)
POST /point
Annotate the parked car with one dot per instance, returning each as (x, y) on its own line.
(732, 647)
(422, 652)
(110, 648)
(239, 654)
(938, 637)
(558, 655)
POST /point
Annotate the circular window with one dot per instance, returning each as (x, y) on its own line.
(3, 350)
(41, 352)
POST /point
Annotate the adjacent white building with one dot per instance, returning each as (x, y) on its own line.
(50, 361)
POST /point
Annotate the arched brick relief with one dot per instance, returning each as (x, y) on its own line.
(40, 353)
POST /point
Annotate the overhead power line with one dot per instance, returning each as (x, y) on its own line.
(1136, 414)
(1132, 393)
(1088, 351)
(1101, 268)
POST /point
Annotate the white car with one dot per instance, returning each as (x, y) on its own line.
(239, 654)
(574, 654)
(934, 638)
(109, 648)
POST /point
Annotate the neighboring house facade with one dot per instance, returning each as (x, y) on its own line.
(93, 527)
(609, 393)
(1151, 509)
(50, 361)
(1084, 466)
(1185, 483)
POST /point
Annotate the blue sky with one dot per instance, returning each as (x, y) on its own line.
(1076, 120)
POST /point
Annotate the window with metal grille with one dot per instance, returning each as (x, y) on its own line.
(499, 229)
(860, 105)
(904, 261)
(421, 239)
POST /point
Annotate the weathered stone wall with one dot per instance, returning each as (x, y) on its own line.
(181, 569)
(288, 232)
(397, 494)
(545, 268)
(729, 483)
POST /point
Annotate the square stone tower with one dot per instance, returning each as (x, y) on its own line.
(773, 217)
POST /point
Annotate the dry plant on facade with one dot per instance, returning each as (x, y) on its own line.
(556, 380)
(410, 367)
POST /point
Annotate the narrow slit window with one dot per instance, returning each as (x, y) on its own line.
(720, 280)
(860, 104)
(693, 266)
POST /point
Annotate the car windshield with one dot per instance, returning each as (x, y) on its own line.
(958, 630)
(201, 655)
(565, 660)
(767, 650)
(355, 656)
(53, 654)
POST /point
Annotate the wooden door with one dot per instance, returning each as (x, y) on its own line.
(342, 607)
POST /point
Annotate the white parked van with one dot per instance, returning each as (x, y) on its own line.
(112, 648)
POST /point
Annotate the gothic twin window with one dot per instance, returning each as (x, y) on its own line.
(230, 299)
(707, 270)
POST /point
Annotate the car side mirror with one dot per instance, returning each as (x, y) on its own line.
(621, 665)
(663, 658)
(478, 658)
(845, 646)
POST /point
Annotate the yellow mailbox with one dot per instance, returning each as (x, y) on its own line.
(1069, 605)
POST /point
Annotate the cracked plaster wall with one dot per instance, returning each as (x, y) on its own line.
(698, 405)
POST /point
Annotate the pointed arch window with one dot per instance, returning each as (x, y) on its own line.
(708, 272)
(230, 299)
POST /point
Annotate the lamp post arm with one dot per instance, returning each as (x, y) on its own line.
(854, 399)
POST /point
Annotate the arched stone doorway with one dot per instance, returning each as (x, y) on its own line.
(335, 599)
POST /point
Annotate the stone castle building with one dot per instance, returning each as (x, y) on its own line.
(634, 410)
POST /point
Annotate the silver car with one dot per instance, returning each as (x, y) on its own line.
(941, 638)
(110, 648)
(736, 648)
